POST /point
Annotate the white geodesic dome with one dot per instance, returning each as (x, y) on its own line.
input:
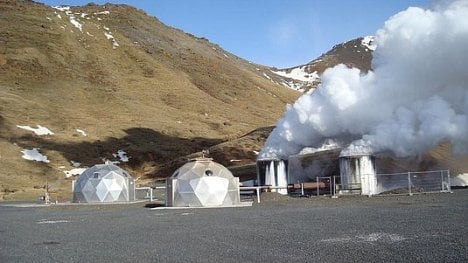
(202, 183)
(104, 183)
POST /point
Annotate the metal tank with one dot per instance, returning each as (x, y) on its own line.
(357, 173)
(273, 172)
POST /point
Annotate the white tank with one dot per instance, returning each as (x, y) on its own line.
(357, 172)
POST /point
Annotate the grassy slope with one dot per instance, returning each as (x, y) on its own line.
(160, 95)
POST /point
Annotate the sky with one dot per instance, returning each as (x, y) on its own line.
(278, 33)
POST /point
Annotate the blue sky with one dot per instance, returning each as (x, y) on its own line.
(280, 33)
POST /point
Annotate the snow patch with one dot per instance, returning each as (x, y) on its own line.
(40, 130)
(298, 74)
(122, 156)
(299, 78)
(75, 171)
(34, 155)
(102, 13)
(369, 42)
(77, 24)
(108, 36)
(73, 20)
(460, 180)
(75, 164)
(111, 37)
(81, 132)
(62, 8)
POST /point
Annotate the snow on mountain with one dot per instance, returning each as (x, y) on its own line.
(369, 42)
(298, 74)
(75, 171)
(34, 155)
(297, 78)
(40, 130)
(356, 53)
(122, 155)
(79, 25)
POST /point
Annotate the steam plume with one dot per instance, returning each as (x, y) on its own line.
(415, 98)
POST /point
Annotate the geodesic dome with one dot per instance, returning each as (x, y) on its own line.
(104, 183)
(202, 183)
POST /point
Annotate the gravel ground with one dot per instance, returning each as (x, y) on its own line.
(420, 228)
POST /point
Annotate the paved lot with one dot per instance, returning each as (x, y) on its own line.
(422, 228)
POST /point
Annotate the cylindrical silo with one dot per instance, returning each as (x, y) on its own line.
(357, 172)
(273, 172)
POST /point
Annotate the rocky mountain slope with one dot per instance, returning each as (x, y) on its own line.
(356, 53)
(111, 83)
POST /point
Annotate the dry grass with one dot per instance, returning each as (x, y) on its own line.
(160, 95)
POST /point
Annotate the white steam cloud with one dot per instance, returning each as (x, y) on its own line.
(415, 98)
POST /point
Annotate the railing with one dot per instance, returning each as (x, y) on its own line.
(259, 188)
(414, 182)
(146, 192)
(398, 183)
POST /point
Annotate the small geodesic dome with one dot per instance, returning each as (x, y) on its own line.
(104, 183)
(202, 183)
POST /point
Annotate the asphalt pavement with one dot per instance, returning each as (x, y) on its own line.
(419, 228)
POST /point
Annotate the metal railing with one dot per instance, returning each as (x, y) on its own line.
(398, 183)
(147, 192)
(144, 193)
(414, 182)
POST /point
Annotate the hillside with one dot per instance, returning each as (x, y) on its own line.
(109, 78)
(356, 53)
(80, 85)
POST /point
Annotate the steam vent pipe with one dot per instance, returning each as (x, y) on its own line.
(357, 172)
(272, 172)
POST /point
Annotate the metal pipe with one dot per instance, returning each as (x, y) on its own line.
(258, 195)
(409, 184)
(318, 190)
(334, 185)
(449, 182)
(441, 181)
(307, 185)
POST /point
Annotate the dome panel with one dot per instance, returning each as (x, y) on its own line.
(101, 190)
(203, 182)
(103, 183)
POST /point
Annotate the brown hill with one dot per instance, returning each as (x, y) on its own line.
(125, 80)
(356, 53)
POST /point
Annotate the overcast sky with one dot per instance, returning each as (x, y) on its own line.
(280, 33)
